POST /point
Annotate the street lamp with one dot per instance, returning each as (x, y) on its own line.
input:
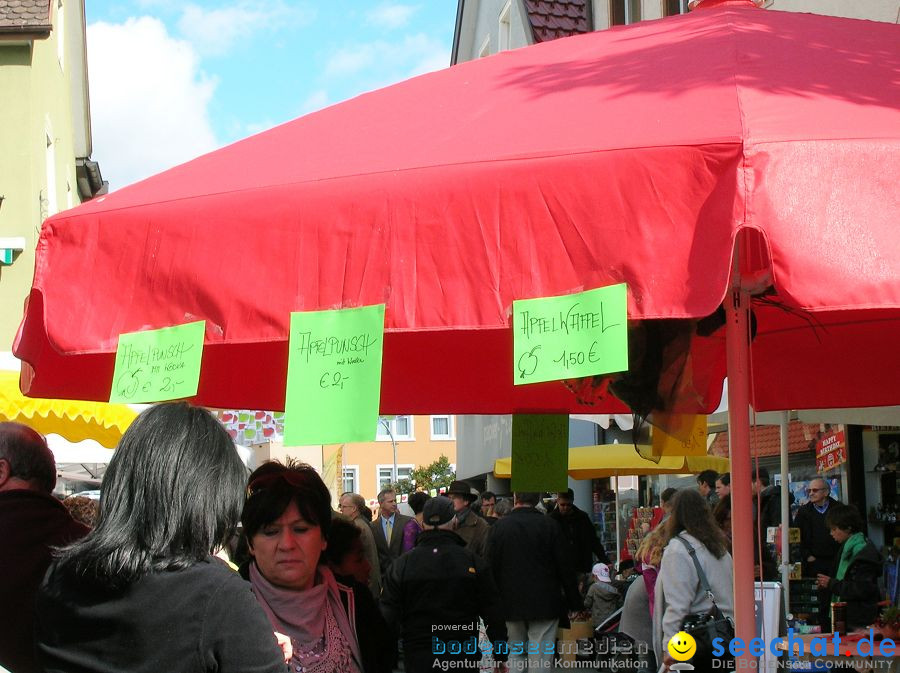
(387, 426)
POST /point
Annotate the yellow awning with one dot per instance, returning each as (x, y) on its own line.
(608, 460)
(75, 421)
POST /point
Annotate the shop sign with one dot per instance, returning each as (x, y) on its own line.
(831, 451)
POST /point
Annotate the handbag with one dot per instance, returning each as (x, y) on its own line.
(706, 626)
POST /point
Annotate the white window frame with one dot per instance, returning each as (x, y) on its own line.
(381, 435)
(355, 470)
(504, 27)
(61, 34)
(485, 47)
(451, 427)
(626, 7)
(409, 467)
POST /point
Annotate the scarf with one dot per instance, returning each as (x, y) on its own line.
(321, 634)
(852, 547)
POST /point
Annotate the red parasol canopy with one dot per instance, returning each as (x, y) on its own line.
(632, 154)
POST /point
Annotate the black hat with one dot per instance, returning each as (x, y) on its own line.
(461, 488)
(438, 511)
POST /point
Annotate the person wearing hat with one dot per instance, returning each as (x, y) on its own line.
(602, 597)
(435, 593)
(470, 527)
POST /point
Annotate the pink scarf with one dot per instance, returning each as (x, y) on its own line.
(322, 635)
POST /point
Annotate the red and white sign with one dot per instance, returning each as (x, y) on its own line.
(831, 451)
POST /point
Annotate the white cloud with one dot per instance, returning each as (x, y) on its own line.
(215, 31)
(149, 100)
(391, 16)
(316, 100)
(412, 55)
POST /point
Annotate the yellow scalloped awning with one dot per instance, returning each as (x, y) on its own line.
(73, 420)
(608, 460)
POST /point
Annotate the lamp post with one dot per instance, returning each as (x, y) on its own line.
(387, 426)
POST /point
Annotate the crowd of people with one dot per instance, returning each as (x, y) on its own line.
(155, 579)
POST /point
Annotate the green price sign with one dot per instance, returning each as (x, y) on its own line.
(572, 336)
(158, 365)
(334, 376)
(540, 452)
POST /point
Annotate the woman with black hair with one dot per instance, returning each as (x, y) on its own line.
(859, 567)
(693, 534)
(333, 627)
(142, 592)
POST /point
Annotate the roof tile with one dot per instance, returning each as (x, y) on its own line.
(24, 16)
(559, 18)
(765, 440)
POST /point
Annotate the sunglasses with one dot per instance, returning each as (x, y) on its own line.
(265, 481)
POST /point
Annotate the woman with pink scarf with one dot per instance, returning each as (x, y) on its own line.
(333, 627)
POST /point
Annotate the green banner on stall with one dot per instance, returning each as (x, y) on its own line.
(158, 365)
(334, 376)
(572, 336)
(540, 452)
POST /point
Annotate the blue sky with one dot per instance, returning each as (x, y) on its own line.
(171, 80)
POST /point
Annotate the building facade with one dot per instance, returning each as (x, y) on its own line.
(45, 133)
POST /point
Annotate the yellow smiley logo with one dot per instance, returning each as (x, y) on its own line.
(682, 646)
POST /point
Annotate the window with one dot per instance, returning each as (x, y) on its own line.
(485, 47)
(401, 427)
(350, 479)
(60, 34)
(504, 28)
(622, 12)
(383, 473)
(673, 7)
(442, 427)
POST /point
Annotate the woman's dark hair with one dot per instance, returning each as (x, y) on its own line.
(273, 486)
(691, 514)
(667, 495)
(342, 536)
(722, 511)
(725, 479)
(172, 494)
(845, 517)
(417, 501)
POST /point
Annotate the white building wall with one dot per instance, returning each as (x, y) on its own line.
(481, 26)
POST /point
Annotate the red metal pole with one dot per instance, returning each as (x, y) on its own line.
(738, 361)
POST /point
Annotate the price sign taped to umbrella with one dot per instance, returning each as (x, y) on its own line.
(540, 452)
(571, 336)
(334, 376)
(158, 365)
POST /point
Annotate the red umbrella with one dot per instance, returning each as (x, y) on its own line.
(636, 154)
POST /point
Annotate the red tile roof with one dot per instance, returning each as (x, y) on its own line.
(25, 16)
(765, 440)
(551, 19)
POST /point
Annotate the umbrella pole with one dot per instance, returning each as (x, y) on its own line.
(737, 344)
(618, 536)
(785, 515)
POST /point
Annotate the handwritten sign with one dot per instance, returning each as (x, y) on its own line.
(572, 336)
(334, 376)
(158, 365)
(831, 451)
(540, 452)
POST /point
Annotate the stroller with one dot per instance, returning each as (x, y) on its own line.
(612, 651)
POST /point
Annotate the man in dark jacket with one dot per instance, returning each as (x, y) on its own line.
(530, 559)
(580, 532)
(31, 522)
(436, 592)
(818, 550)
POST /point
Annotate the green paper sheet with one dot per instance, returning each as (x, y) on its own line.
(158, 365)
(334, 376)
(540, 452)
(571, 336)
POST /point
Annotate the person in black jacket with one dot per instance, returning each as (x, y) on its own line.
(580, 532)
(32, 521)
(436, 593)
(855, 580)
(530, 559)
(818, 550)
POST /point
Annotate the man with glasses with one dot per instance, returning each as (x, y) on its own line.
(818, 550)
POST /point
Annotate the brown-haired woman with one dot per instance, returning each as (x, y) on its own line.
(678, 588)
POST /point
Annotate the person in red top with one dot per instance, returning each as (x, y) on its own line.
(31, 522)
